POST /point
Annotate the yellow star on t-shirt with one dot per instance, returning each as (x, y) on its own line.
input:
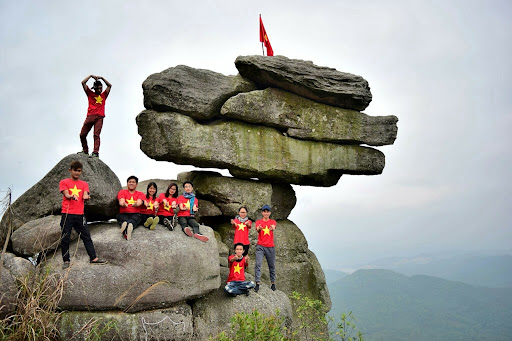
(130, 201)
(167, 207)
(75, 191)
(237, 268)
(150, 206)
(187, 205)
(98, 99)
(266, 230)
(241, 227)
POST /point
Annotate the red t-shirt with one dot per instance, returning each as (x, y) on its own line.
(78, 187)
(166, 211)
(150, 209)
(265, 235)
(131, 199)
(96, 103)
(241, 232)
(183, 200)
(236, 270)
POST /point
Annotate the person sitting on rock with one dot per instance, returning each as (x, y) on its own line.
(169, 207)
(95, 113)
(129, 201)
(236, 283)
(242, 224)
(149, 207)
(189, 205)
(265, 247)
(74, 193)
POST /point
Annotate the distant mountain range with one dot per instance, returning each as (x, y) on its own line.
(392, 306)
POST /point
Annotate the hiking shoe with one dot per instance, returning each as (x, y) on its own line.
(273, 287)
(168, 224)
(95, 155)
(153, 224)
(98, 261)
(188, 232)
(83, 153)
(129, 231)
(65, 265)
(148, 222)
(123, 226)
(257, 287)
(174, 221)
(201, 237)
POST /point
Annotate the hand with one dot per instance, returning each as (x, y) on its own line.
(195, 209)
(155, 205)
(146, 203)
(174, 204)
(232, 222)
(258, 227)
(74, 197)
(248, 223)
(272, 227)
(87, 196)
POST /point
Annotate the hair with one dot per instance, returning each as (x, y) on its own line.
(147, 190)
(175, 195)
(242, 245)
(76, 165)
(97, 83)
(188, 182)
(243, 207)
(133, 177)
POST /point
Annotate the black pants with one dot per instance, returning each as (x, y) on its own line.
(78, 222)
(130, 218)
(189, 221)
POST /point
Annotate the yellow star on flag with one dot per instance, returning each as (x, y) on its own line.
(241, 227)
(98, 99)
(187, 205)
(75, 191)
(266, 231)
(150, 206)
(130, 201)
(237, 268)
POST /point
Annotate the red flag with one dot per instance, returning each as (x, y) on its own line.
(264, 39)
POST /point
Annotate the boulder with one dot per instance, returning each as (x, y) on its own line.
(173, 323)
(154, 270)
(38, 235)
(44, 199)
(194, 92)
(230, 193)
(17, 266)
(297, 268)
(11, 269)
(212, 313)
(305, 119)
(250, 151)
(318, 83)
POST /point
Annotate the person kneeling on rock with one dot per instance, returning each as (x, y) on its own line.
(129, 201)
(189, 205)
(236, 283)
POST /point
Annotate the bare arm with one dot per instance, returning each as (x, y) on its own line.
(87, 196)
(67, 195)
(109, 86)
(86, 79)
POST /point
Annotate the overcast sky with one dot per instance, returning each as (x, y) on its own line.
(442, 67)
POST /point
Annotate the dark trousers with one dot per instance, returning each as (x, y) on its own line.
(270, 255)
(78, 222)
(90, 121)
(189, 221)
(130, 218)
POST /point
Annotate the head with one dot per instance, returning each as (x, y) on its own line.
(151, 190)
(239, 249)
(188, 187)
(265, 211)
(97, 87)
(172, 191)
(132, 182)
(242, 212)
(75, 169)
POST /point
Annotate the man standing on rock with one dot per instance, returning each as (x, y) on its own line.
(95, 113)
(74, 192)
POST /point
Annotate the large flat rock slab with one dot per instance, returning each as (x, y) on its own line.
(198, 93)
(318, 83)
(154, 270)
(250, 151)
(305, 119)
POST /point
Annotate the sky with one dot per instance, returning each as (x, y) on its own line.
(442, 67)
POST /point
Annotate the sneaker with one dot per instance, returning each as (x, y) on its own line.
(95, 155)
(247, 293)
(65, 265)
(273, 287)
(153, 224)
(188, 232)
(174, 221)
(98, 261)
(148, 222)
(201, 237)
(257, 287)
(83, 153)
(168, 224)
(129, 231)
(123, 226)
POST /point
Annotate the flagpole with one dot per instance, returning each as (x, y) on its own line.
(262, 50)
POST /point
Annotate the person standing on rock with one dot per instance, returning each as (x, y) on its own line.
(150, 207)
(189, 205)
(95, 113)
(169, 207)
(242, 224)
(265, 247)
(236, 283)
(74, 193)
(129, 201)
